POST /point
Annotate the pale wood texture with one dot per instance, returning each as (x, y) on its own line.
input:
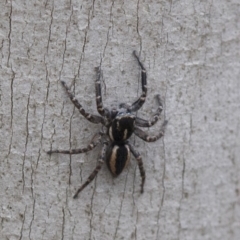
(191, 50)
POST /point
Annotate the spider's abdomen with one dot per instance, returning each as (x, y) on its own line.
(122, 127)
(118, 157)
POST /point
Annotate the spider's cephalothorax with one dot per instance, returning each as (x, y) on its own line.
(119, 125)
(122, 127)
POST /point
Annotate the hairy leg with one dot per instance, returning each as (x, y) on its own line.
(140, 101)
(144, 136)
(101, 110)
(94, 142)
(140, 164)
(96, 170)
(148, 123)
(88, 116)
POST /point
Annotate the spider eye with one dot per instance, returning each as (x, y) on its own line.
(126, 113)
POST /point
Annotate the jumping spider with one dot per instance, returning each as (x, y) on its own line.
(118, 124)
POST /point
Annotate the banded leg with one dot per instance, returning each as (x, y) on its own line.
(138, 104)
(94, 142)
(101, 110)
(140, 164)
(96, 170)
(144, 136)
(144, 123)
(88, 116)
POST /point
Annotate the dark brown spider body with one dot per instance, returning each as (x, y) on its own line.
(118, 153)
(119, 125)
(117, 158)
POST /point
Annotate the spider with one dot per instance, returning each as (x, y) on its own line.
(118, 126)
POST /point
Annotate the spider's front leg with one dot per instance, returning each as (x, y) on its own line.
(138, 157)
(88, 116)
(138, 104)
(94, 142)
(144, 136)
(144, 123)
(101, 110)
(96, 170)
